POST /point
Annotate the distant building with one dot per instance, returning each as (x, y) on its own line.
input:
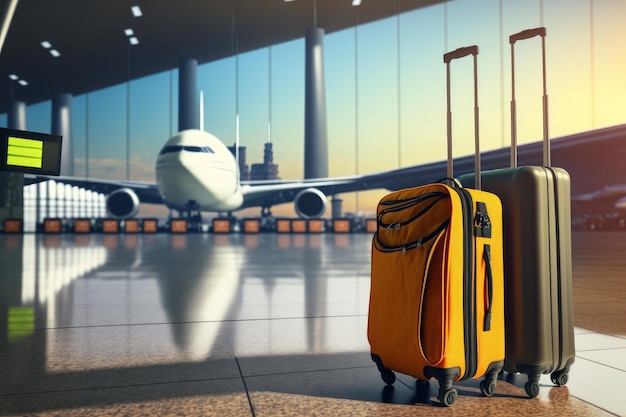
(244, 173)
(268, 170)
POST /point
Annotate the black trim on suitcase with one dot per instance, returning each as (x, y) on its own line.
(469, 291)
(404, 204)
(381, 247)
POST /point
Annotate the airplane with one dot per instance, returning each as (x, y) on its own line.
(196, 172)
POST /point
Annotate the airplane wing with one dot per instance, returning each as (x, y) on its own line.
(275, 192)
(267, 193)
(146, 191)
(259, 193)
(605, 200)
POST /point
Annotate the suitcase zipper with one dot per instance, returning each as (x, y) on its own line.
(381, 247)
(400, 205)
(469, 294)
(557, 351)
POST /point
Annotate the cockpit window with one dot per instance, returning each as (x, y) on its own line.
(178, 148)
(170, 149)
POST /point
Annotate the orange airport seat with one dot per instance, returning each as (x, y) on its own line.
(13, 226)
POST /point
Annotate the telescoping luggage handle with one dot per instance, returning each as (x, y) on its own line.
(527, 34)
(447, 58)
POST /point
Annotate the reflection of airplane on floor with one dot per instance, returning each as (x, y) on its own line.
(196, 172)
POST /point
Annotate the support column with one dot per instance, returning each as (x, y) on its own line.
(61, 125)
(188, 111)
(12, 183)
(315, 132)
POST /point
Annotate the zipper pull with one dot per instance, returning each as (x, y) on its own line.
(390, 228)
(482, 223)
(419, 243)
(404, 250)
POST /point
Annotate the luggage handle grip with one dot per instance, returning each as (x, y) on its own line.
(527, 34)
(460, 53)
(447, 57)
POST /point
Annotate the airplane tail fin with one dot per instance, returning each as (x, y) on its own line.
(202, 110)
(237, 146)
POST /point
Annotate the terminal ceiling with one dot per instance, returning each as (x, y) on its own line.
(95, 52)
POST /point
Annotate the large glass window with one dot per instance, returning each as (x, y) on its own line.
(254, 102)
(288, 107)
(150, 124)
(385, 92)
(106, 134)
(217, 81)
(39, 117)
(608, 63)
(79, 135)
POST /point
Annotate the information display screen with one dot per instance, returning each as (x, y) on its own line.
(30, 152)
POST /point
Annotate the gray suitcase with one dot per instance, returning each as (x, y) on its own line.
(536, 208)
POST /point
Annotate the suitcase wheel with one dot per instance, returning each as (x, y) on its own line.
(532, 389)
(388, 376)
(448, 397)
(487, 388)
(422, 391)
(560, 378)
(385, 373)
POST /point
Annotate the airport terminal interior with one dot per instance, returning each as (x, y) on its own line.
(268, 324)
(128, 288)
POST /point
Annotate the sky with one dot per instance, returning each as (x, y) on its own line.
(385, 92)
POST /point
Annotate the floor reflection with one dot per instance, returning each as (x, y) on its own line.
(92, 320)
(200, 287)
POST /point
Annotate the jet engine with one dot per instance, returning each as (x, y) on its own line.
(122, 203)
(310, 203)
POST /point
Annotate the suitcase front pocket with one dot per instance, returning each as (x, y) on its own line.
(410, 223)
(432, 311)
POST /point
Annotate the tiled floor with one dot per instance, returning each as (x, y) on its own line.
(253, 325)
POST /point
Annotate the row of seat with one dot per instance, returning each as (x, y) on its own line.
(218, 225)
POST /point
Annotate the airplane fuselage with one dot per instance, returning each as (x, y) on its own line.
(195, 167)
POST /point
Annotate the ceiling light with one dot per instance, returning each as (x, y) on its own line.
(55, 53)
(46, 44)
(14, 77)
(129, 32)
(133, 40)
(23, 82)
(356, 2)
(136, 11)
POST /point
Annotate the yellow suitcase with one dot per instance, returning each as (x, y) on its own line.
(437, 281)
(437, 294)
